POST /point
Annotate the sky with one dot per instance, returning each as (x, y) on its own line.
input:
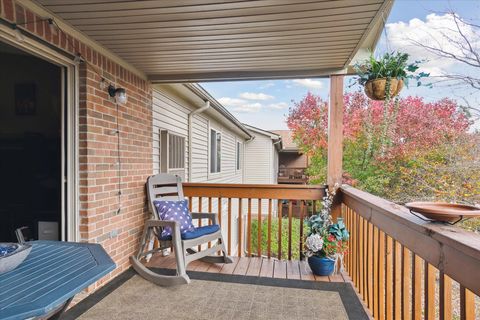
(264, 104)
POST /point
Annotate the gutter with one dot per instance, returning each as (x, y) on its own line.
(202, 93)
(190, 142)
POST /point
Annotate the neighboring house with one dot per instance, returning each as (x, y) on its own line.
(292, 162)
(261, 156)
(261, 161)
(184, 113)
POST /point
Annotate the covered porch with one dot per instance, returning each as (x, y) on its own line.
(400, 266)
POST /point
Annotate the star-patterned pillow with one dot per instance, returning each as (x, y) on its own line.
(174, 211)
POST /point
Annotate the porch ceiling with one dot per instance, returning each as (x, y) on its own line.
(198, 40)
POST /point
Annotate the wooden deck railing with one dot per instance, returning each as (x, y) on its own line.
(405, 268)
(402, 267)
(249, 202)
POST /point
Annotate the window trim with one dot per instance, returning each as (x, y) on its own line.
(165, 167)
(239, 150)
(209, 137)
(183, 154)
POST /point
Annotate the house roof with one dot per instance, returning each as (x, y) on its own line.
(287, 140)
(270, 134)
(200, 40)
(275, 137)
(217, 106)
(194, 95)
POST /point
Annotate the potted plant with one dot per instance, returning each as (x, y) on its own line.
(385, 76)
(326, 242)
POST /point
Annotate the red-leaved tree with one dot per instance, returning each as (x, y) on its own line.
(421, 136)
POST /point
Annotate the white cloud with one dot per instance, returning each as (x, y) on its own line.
(309, 83)
(433, 32)
(245, 106)
(255, 96)
(240, 105)
(267, 85)
(437, 31)
(278, 106)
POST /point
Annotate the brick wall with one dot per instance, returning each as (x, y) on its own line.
(99, 180)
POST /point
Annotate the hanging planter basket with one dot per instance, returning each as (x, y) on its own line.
(376, 89)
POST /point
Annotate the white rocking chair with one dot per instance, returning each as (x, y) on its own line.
(169, 187)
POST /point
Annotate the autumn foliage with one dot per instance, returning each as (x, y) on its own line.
(412, 150)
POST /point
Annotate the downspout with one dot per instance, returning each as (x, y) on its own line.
(277, 165)
(245, 157)
(190, 129)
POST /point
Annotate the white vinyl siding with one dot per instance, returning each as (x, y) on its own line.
(261, 163)
(259, 160)
(169, 115)
(170, 112)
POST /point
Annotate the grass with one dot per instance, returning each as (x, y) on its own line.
(471, 224)
(274, 237)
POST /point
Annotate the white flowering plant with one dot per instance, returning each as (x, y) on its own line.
(325, 238)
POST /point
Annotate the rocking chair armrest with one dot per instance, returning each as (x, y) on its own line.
(176, 235)
(161, 223)
(205, 215)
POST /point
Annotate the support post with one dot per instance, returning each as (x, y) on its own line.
(335, 139)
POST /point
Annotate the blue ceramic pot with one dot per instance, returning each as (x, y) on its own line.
(321, 266)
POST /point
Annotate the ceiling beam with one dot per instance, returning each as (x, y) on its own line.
(244, 75)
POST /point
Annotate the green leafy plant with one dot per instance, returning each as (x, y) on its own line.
(389, 66)
(339, 230)
(392, 65)
(325, 238)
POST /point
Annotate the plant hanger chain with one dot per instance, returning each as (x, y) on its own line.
(387, 40)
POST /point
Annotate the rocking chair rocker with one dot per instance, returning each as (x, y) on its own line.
(169, 187)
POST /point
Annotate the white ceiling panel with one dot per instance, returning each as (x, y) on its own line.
(201, 40)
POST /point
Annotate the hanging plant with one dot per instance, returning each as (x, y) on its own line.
(384, 77)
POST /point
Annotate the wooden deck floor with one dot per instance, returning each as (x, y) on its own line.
(262, 267)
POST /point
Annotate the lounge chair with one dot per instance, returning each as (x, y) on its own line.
(169, 187)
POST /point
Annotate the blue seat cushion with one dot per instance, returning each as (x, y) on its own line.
(196, 233)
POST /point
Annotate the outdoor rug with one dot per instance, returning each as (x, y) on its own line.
(218, 296)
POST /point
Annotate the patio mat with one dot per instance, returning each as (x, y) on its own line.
(219, 296)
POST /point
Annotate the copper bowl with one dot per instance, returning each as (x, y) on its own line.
(443, 211)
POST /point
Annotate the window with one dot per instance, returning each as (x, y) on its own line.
(172, 153)
(239, 156)
(215, 150)
(176, 152)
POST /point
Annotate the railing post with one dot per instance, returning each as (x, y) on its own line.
(335, 138)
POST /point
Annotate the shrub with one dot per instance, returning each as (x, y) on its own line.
(274, 237)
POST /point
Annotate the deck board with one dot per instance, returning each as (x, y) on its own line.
(202, 266)
(215, 267)
(336, 278)
(280, 269)
(263, 267)
(242, 266)
(267, 268)
(305, 271)
(293, 270)
(254, 267)
(228, 268)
